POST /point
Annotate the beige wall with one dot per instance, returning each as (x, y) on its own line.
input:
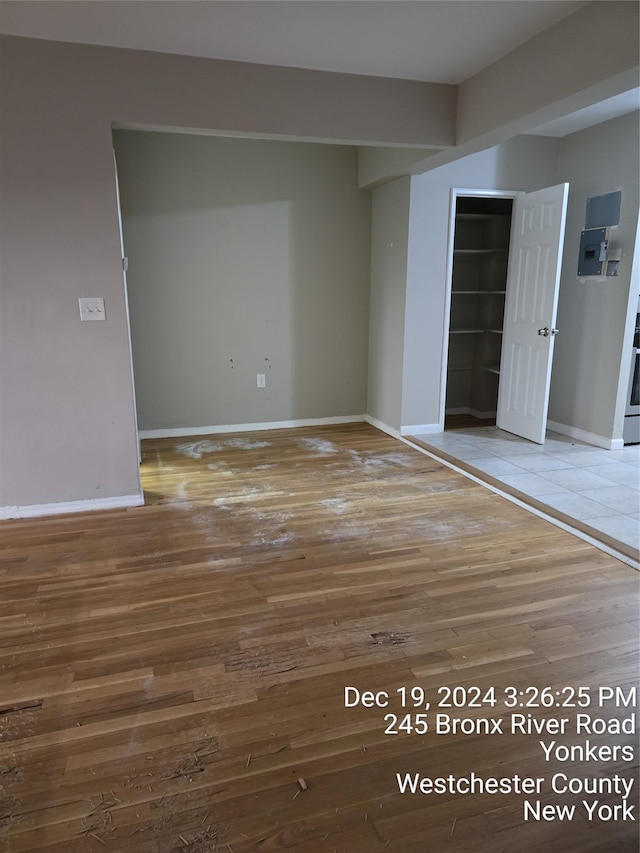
(67, 418)
(590, 369)
(66, 406)
(586, 57)
(390, 221)
(242, 251)
(593, 348)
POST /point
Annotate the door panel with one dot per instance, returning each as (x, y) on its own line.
(530, 308)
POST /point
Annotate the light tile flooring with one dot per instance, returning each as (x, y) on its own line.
(600, 488)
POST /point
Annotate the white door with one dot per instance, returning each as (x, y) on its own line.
(531, 303)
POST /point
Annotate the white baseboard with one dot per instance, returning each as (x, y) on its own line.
(587, 437)
(421, 429)
(38, 510)
(179, 432)
(382, 426)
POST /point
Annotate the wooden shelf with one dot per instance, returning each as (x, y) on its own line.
(460, 368)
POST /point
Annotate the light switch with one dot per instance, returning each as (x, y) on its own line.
(92, 308)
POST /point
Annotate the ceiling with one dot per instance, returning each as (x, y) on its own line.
(439, 41)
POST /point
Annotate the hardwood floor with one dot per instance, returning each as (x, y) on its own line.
(173, 676)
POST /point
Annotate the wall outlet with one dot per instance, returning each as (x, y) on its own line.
(261, 380)
(92, 308)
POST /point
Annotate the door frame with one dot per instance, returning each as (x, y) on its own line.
(125, 265)
(457, 192)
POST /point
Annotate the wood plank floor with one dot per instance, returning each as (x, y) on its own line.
(173, 676)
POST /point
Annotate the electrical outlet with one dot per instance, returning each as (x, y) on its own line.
(92, 308)
(261, 380)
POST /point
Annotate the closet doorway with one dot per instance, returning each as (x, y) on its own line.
(505, 259)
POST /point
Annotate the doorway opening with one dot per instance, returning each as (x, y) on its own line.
(481, 237)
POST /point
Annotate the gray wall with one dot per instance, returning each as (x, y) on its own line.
(242, 251)
(592, 350)
(66, 405)
(590, 369)
(389, 230)
(66, 413)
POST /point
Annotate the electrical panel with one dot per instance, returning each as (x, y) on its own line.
(592, 259)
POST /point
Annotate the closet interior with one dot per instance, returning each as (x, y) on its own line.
(479, 281)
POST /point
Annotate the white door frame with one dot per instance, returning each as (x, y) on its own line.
(126, 306)
(457, 192)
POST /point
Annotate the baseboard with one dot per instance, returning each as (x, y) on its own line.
(475, 413)
(421, 429)
(392, 431)
(587, 437)
(179, 432)
(482, 416)
(38, 510)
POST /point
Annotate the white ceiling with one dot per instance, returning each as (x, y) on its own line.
(441, 41)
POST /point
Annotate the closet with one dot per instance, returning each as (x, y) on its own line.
(478, 287)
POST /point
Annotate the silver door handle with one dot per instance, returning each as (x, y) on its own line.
(547, 331)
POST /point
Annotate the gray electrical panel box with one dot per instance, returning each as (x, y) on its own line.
(593, 252)
(603, 210)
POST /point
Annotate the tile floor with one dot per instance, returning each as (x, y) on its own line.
(599, 487)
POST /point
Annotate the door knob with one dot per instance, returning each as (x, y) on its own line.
(547, 331)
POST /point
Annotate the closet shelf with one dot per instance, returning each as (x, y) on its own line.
(478, 216)
(477, 292)
(475, 331)
(480, 251)
(456, 368)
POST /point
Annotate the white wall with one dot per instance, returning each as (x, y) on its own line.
(389, 231)
(524, 163)
(593, 347)
(245, 257)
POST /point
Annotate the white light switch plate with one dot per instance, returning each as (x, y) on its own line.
(92, 308)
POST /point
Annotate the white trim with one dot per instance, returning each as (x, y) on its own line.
(587, 437)
(421, 429)
(179, 432)
(37, 510)
(392, 431)
(534, 510)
